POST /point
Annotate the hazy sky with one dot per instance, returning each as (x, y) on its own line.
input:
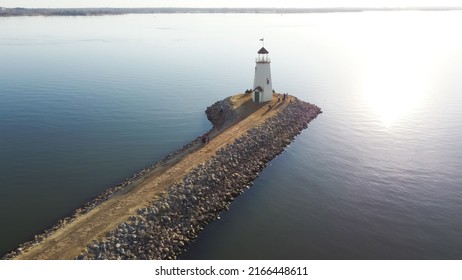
(225, 3)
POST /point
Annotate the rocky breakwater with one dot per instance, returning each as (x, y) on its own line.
(164, 228)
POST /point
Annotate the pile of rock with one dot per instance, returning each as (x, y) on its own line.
(221, 114)
(164, 228)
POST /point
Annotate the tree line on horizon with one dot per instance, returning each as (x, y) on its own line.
(118, 11)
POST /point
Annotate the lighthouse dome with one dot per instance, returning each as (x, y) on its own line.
(263, 51)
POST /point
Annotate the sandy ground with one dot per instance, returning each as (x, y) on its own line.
(70, 240)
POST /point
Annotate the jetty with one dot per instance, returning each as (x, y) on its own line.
(156, 213)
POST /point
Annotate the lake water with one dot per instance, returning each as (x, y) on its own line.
(87, 101)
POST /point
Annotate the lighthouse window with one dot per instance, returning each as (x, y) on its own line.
(267, 81)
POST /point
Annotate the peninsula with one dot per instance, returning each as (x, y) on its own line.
(157, 212)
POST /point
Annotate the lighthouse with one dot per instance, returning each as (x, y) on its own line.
(262, 84)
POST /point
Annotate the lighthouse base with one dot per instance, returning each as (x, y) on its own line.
(261, 96)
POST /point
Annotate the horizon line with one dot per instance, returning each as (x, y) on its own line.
(277, 8)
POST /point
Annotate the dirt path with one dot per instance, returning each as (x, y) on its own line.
(70, 240)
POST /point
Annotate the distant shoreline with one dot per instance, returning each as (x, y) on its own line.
(11, 12)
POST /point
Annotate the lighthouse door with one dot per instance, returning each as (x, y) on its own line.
(257, 97)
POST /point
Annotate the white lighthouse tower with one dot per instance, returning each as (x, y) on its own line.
(262, 84)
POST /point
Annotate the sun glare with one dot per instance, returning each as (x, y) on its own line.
(395, 67)
(393, 86)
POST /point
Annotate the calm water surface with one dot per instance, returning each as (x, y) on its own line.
(86, 101)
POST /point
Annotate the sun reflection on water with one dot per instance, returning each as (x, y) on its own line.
(397, 64)
(393, 86)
